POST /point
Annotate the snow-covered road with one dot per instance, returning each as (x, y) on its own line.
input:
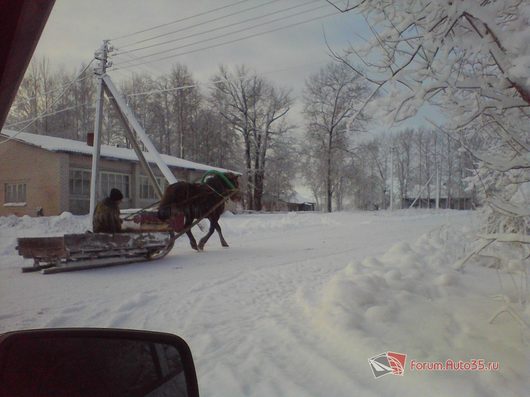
(292, 308)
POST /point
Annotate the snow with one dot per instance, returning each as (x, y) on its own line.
(20, 204)
(298, 303)
(55, 144)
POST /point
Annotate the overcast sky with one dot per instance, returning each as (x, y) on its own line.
(77, 27)
(203, 34)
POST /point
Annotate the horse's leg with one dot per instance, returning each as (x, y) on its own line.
(213, 222)
(187, 224)
(220, 233)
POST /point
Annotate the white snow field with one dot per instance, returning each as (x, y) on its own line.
(298, 304)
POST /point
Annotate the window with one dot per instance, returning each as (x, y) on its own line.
(147, 190)
(79, 182)
(79, 186)
(109, 180)
(15, 193)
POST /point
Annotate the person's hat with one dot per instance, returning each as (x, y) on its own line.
(115, 195)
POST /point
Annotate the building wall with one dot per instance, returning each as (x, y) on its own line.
(135, 171)
(47, 178)
(84, 162)
(64, 182)
(39, 169)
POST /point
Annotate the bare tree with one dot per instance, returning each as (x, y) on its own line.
(185, 102)
(281, 169)
(331, 99)
(53, 101)
(31, 97)
(374, 160)
(256, 110)
(218, 143)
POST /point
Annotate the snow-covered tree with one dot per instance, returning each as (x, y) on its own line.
(332, 98)
(255, 109)
(470, 59)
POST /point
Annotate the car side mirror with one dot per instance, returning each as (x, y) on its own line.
(95, 362)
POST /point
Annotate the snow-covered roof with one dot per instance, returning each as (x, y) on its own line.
(55, 144)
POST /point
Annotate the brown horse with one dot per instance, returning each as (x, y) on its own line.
(198, 200)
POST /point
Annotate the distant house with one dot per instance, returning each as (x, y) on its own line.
(47, 175)
(455, 203)
(295, 202)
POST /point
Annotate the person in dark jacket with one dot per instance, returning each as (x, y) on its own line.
(107, 214)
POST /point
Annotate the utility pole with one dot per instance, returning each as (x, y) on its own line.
(437, 162)
(100, 70)
(131, 124)
(437, 185)
(392, 178)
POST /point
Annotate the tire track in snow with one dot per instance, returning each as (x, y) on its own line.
(228, 321)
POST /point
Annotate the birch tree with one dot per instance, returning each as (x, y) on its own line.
(184, 106)
(332, 97)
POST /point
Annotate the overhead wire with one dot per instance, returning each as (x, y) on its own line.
(223, 27)
(135, 58)
(230, 33)
(213, 83)
(44, 115)
(177, 20)
(46, 112)
(51, 91)
(199, 24)
(128, 65)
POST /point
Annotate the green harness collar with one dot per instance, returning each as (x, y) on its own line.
(219, 174)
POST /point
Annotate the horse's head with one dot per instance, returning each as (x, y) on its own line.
(234, 180)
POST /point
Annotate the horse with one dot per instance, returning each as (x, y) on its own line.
(198, 200)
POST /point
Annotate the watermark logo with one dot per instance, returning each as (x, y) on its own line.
(394, 363)
(388, 363)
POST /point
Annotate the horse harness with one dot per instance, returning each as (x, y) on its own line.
(188, 202)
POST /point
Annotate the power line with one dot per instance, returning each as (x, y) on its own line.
(223, 43)
(178, 20)
(42, 116)
(222, 27)
(46, 113)
(136, 58)
(51, 91)
(228, 33)
(198, 24)
(213, 83)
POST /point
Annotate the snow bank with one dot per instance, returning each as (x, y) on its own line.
(12, 227)
(411, 300)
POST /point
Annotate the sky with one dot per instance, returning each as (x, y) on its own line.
(288, 38)
(287, 56)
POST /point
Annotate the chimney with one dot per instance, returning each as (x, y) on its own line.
(90, 138)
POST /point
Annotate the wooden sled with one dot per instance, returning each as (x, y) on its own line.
(92, 250)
